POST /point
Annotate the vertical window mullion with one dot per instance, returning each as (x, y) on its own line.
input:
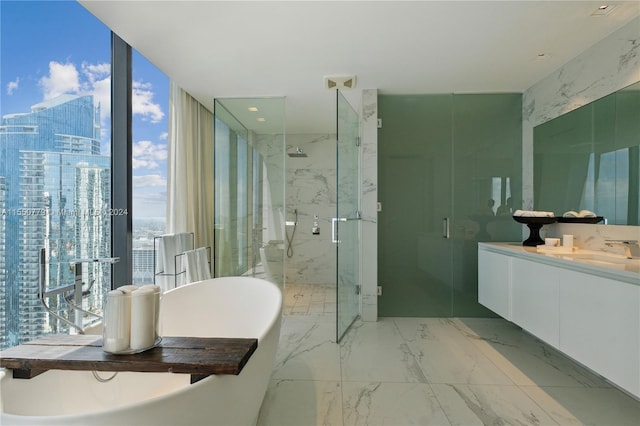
(121, 161)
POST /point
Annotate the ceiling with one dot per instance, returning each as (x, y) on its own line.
(230, 49)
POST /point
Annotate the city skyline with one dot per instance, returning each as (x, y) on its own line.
(69, 53)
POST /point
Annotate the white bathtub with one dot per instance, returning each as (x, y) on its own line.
(221, 307)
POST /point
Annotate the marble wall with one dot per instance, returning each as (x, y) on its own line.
(311, 190)
(607, 66)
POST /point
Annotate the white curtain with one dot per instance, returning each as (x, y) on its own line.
(190, 175)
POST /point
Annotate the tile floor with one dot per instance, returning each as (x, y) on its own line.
(427, 371)
(310, 299)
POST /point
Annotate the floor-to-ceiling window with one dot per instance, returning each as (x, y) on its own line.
(150, 100)
(54, 161)
(56, 152)
(249, 187)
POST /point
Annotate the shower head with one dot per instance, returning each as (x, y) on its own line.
(299, 153)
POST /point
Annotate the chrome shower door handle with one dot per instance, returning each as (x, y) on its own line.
(334, 228)
(445, 228)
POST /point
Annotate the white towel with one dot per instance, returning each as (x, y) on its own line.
(143, 319)
(169, 246)
(583, 213)
(586, 213)
(197, 265)
(117, 322)
(203, 263)
(533, 213)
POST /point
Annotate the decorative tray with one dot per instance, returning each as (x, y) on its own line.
(580, 219)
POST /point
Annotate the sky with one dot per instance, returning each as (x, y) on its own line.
(49, 48)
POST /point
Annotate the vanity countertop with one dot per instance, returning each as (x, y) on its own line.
(591, 262)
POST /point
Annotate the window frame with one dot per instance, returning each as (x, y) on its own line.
(121, 161)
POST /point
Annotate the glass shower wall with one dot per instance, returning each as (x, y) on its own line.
(346, 224)
(249, 188)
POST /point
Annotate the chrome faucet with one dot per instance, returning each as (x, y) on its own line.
(631, 247)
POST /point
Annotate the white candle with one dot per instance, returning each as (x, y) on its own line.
(143, 329)
(117, 322)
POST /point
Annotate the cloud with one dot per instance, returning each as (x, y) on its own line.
(95, 79)
(12, 86)
(97, 82)
(149, 181)
(142, 102)
(164, 136)
(147, 155)
(96, 72)
(62, 79)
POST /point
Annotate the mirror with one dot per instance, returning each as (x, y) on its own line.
(588, 159)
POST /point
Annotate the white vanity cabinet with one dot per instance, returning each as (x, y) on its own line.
(534, 289)
(494, 271)
(600, 326)
(589, 313)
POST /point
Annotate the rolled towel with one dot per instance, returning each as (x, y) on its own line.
(533, 213)
(570, 213)
(143, 319)
(117, 322)
(157, 291)
(586, 213)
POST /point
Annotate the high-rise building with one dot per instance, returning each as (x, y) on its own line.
(3, 280)
(57, 197)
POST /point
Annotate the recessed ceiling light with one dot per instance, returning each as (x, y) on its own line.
(261, 119)
(252, 109)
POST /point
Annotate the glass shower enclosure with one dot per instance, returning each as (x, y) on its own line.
(345, 226)
(249, 188)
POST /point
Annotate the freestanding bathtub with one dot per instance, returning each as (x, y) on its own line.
(221, 307)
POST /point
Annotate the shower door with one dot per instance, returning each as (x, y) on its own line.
(345, 226)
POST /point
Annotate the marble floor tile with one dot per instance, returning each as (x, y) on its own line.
(489, 405)
(309, 299)
(307, 351)
(441, 371)
(384, 403)
(301, 403)
(445, 355)
(375, 351)
(527, 361)
(591, 406)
